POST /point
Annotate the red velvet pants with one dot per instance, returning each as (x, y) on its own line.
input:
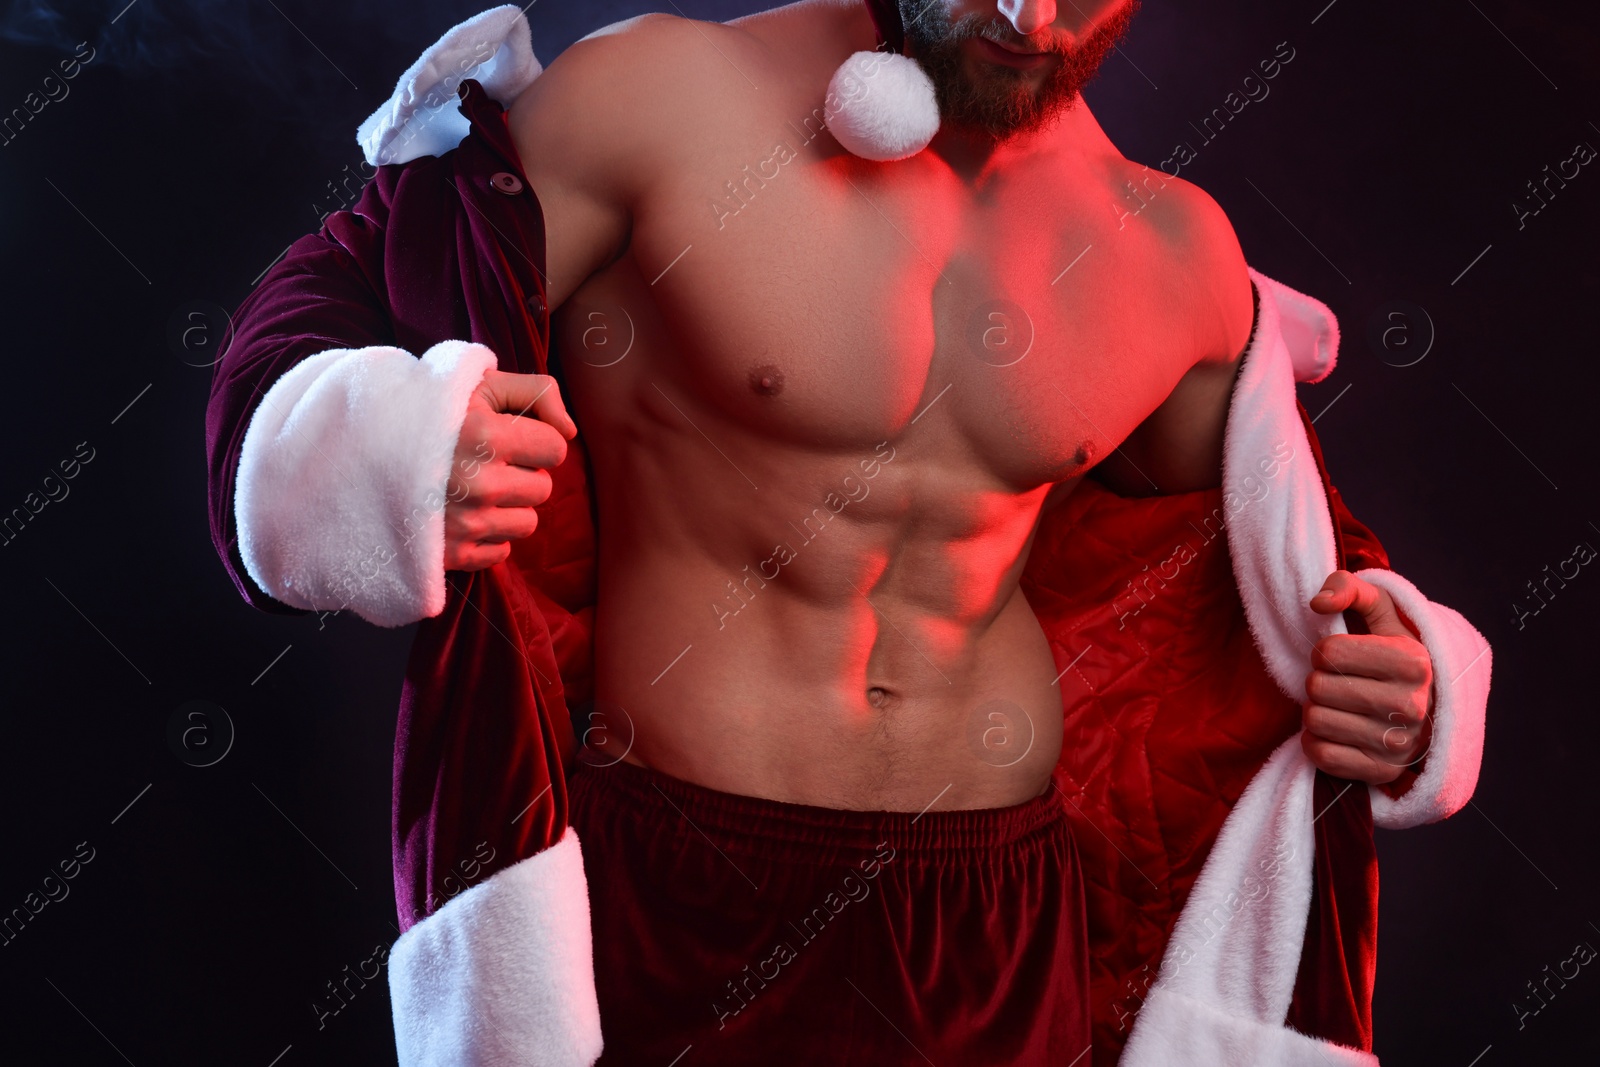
(749, 931)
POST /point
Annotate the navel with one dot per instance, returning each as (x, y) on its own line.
(877, 696)
(766, 380)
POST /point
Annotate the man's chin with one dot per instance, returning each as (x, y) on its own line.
(981, 92)
(1004, 106)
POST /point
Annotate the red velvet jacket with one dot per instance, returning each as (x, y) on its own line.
(1167, 719)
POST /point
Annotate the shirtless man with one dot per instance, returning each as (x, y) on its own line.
(819, 467)
(810, 332)
(777, 341)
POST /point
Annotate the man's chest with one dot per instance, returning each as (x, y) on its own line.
(837, 304)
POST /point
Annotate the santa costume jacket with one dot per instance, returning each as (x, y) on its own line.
(1231, 886)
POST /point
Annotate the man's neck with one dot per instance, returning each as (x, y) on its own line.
(972, 152)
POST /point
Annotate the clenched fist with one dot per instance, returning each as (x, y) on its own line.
(502, 466)
(1371, 693)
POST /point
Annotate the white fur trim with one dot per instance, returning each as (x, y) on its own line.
(502, 975)
(1280, 531)
(1182, 1032)
(1234, 953)
(422, 118)
(883, 106)
(339, 496)
(1282, 547)
(1461, 665)
(1258, 878)
(1310, 332)
(1227, 976)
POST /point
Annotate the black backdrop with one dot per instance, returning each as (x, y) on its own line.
(1381, 174)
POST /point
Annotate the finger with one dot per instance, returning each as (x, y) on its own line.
(1419, 748)
(1386, 658)
(1392, 703)
(517, 394)
(490, 525)
(527, 442)
(494, 526)
(1346, 761)
(1343, 591)
(1370, 735)
(505, 486)
(1401, 747)
(471, 556)
(1338, 592)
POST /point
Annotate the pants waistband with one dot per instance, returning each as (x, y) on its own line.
(803, 833)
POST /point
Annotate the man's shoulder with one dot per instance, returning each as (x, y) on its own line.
(1199, 257)
(1202, 301)
(660, 61)
(651, 59)
(659, 35)
(609, 97)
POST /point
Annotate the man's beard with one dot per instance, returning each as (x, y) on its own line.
(1001, 100)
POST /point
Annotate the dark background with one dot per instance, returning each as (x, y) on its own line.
(198, 143)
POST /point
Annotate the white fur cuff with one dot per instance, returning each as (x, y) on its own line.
(502, 975)
(1180, 1031)
(339, 497)
(1461, 661)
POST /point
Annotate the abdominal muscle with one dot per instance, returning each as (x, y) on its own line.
(875, 663)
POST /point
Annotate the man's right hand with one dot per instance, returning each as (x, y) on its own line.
(502, 464)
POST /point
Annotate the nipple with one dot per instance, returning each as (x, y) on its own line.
(766, 380)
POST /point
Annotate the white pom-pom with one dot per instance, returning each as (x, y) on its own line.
(881, 106)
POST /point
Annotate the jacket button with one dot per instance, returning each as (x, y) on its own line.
(536, 304)
(506, 182)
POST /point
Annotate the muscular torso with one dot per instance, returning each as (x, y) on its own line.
(824, 413)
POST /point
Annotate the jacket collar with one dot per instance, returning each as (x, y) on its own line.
(488, 119)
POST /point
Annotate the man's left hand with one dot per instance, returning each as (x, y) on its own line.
(1371, 689)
